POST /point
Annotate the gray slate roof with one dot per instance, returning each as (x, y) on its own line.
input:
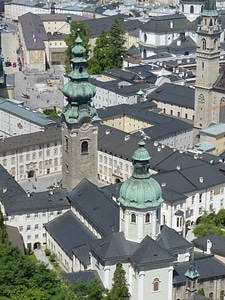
(69, 232)
(187, 180)
(208, 267)
(16, 201)
(171, 240)
(87, 276)
(113, 247)
(218, 243)
(174, 94)
(149, 253)
(100, 210)
(114, 142)
(51, 135)
(33, 31)
(162, 24)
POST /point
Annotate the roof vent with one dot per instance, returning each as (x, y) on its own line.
(196, 156)
(28, 194)
(163, 146)
(107, 131)
(201, 179)
(163, 184)
(51, 192)
(127, 137)
(4, 190)
(211, 161)
(159, 149)
(156, 143)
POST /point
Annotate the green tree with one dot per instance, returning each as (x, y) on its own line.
(119, 287)
(51, 112)
(220, 218)
(211, 223)
(116, 37)
(3, 231)
(101, 59)
(76, 28)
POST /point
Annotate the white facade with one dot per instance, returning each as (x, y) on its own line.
(181, 140)
(32, 225)
(105, 98)
(33, 161)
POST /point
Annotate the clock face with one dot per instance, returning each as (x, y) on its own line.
(201, 98)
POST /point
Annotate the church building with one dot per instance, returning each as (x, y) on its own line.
(209, 86)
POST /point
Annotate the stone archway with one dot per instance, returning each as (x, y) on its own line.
(31, 173)
(117, 180)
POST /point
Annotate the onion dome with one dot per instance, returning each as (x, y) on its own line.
(78, 91)
(140, 190)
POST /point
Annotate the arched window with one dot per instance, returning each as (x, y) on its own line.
(222, 295)
(182, 7)
(156, 284)
(84, 147)
(203, 44)
(133, 218)
(191, 9)
(147, 218)
(210, 296)
(202, 8)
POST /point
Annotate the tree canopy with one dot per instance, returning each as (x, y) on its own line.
(119, 287)
(211, 223)
(76, 28)
(108, 51)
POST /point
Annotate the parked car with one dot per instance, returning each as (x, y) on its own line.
(8, 64)
(26, 96)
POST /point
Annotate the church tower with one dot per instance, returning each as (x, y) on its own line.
(140, 200)
(191, 278)
(207, 105)
(79, 124)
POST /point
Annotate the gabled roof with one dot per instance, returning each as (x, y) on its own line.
(113, 247)
(218, 243)
(171, 127)
(69, 232)
(184, 160)
(171, 240)
(169, 23)
(51, 135)
(174, 94)
(149, 253)
(208, 267)
(190, 179)
(33, 31)
(100, 210)
(82, 252)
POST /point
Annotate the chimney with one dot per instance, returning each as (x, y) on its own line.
(209, 246)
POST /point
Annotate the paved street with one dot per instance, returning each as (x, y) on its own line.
(35, 85)
(40, 184)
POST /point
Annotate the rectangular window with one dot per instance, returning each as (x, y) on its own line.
(36, 226)
(28, 227)
(20, 228)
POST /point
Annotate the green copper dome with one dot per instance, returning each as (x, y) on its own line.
(78, 91)
(140, 190)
